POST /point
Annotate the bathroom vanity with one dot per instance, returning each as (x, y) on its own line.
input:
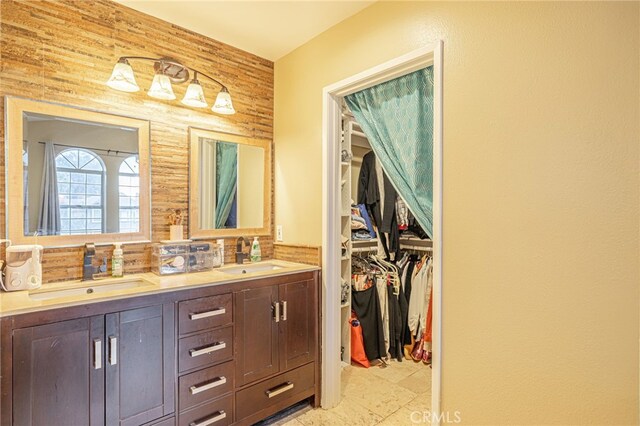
(229, 346)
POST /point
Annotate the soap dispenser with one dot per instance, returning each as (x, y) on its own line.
(256, 253)
(117, 262)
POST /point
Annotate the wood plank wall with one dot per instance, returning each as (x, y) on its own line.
(63, 51)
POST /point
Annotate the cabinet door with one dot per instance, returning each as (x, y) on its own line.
(256, 334)
(298, 324)
(58, 373)
(140, 365)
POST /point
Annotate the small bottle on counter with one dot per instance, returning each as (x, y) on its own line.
(117, 262)
(256, 253)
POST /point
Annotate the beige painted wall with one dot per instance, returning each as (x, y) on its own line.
(541, 137)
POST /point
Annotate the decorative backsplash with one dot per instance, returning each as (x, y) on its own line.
(64, 51)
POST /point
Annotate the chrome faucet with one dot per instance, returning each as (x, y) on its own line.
(90, 272)
(240, 255)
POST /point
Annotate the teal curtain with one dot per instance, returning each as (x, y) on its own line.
(226, 180)
(397, 117)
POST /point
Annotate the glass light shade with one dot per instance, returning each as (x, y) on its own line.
(161, 88)
(223, 103)
(122, 78)
(194, 97)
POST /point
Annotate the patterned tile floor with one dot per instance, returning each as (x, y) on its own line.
(374, 396)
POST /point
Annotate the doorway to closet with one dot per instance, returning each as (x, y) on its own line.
(345, 145)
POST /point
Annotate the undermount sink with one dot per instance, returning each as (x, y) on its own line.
(95, 287)
(250, 268)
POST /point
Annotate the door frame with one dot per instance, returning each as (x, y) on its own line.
(331, 205)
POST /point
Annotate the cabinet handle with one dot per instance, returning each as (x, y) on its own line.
(211, 420)
(215, 347)
(218, 381)
(97, 354)
(113, 350)
(284, 310)
(279, 389)
(276, 308)
(196, 316)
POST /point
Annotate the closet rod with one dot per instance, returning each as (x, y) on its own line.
(418, 248)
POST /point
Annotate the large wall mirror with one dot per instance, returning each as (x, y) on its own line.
(230, 185)
(75, 176)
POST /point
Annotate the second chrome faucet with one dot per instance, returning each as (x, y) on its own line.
(240, 254)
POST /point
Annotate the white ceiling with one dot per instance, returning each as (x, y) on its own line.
(269, 29)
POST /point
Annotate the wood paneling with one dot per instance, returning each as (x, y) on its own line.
(64, 51)
(311, 255)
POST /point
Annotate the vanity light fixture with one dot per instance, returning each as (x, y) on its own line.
(122, 77)
(168, 71)
(195, 94)
(161, 87)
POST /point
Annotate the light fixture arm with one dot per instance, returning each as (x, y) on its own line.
(171, 62)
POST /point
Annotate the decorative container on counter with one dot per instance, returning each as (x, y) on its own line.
(204, 257)
(168, 259)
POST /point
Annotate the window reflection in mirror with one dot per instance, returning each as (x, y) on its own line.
(80, 177)
(231, 187)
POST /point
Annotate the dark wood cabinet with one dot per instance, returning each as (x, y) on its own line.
(298, 338)
(139, 365)
(118, 369)
(257, 353)
(233, 353)
(58, 373)
(276, 340)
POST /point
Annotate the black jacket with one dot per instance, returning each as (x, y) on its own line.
(369, 195)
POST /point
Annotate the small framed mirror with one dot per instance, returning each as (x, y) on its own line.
(230, 185)
(75, 176)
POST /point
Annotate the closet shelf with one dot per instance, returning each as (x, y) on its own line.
(345, 163)
(362, 243)
(345, 305)
(345, 257)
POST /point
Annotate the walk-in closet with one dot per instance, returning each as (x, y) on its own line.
(386, 280)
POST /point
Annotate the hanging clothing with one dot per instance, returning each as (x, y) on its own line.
(428, 335)
(380, 200)
(406, 287)
(381, 286)
(366, 305)
(395, 324)
(418, 301)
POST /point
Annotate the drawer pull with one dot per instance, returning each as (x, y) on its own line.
(196, 316)
(279, 389)
(218, 381)
(113, 350)
(97, 354)
(276, 313)
(211, 420)
(208, 349)
(284, 310)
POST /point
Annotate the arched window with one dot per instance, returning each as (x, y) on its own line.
(80, 191)
(129, 191)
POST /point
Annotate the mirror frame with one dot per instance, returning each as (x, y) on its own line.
(14, 109)
(195, 232)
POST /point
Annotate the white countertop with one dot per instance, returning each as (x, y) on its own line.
(19, 302)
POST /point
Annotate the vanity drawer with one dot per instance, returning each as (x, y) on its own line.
(272, 391)
(214, 413)
(205, 312)
(205, 349)
(204, 385)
